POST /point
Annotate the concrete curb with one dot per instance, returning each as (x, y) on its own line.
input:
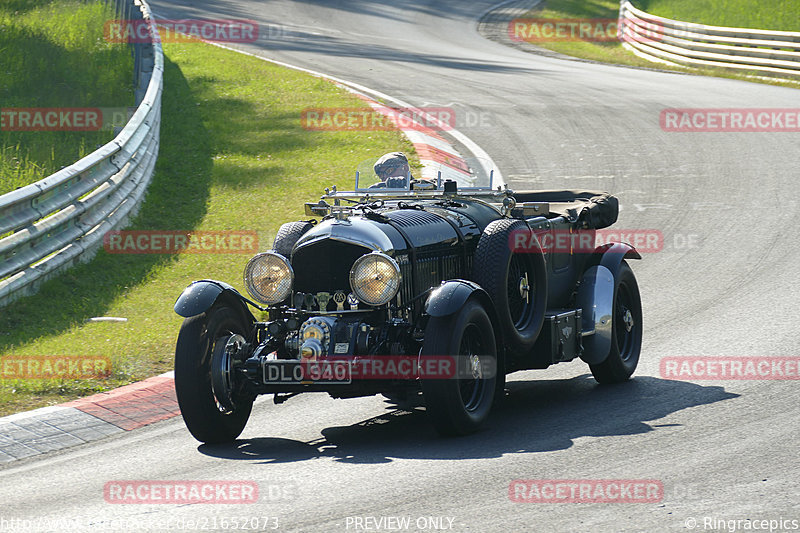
(87, 419)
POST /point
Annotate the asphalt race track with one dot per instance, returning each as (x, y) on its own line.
(724, 284)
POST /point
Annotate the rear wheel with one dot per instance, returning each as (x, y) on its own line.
(626, 331)
(213, 406)
(458, 404)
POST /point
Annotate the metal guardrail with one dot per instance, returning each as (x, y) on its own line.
(59, 221)
(689, 44)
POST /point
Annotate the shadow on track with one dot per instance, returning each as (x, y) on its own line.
(537, 416)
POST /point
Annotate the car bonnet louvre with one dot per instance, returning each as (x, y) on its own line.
(412, 217)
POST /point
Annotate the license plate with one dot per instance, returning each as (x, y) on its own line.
(336, 372)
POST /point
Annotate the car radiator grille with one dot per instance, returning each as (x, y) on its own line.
(428, 270)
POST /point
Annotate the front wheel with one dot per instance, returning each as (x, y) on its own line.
(626, 331)
(214, 409)
(458, 404)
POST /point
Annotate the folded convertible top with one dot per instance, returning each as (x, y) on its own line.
(593, 209)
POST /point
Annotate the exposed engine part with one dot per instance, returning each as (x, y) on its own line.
(363, 339)
(315, 336)
(292, 343)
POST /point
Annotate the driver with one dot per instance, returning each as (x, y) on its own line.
(393, 170)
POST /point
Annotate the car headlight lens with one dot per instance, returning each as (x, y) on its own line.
(375, 278)
(268, 277)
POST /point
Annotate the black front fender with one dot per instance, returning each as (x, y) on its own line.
(450, 296)
(201, 295)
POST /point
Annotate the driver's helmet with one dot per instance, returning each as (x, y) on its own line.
(392, 165)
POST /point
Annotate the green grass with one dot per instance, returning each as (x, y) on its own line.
(53, 54)
(233, 157)
(772, 15)
(613, 52)
(609, 52)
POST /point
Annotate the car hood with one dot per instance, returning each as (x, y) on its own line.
(357, 230)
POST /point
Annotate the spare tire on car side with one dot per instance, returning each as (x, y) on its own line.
(288, 235)
(516, 281)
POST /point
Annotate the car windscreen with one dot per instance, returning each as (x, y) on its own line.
(466, 172)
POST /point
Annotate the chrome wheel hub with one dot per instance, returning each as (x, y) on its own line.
(475, 366)
(627, 319)
(524, 288)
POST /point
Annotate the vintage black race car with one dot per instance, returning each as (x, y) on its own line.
(429, 294)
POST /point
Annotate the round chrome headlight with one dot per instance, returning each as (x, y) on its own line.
(375, 278)
(268, 277)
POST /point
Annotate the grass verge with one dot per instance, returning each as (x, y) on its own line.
(54, 56)
(233, 156)
(774, 15)
(690, 10)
